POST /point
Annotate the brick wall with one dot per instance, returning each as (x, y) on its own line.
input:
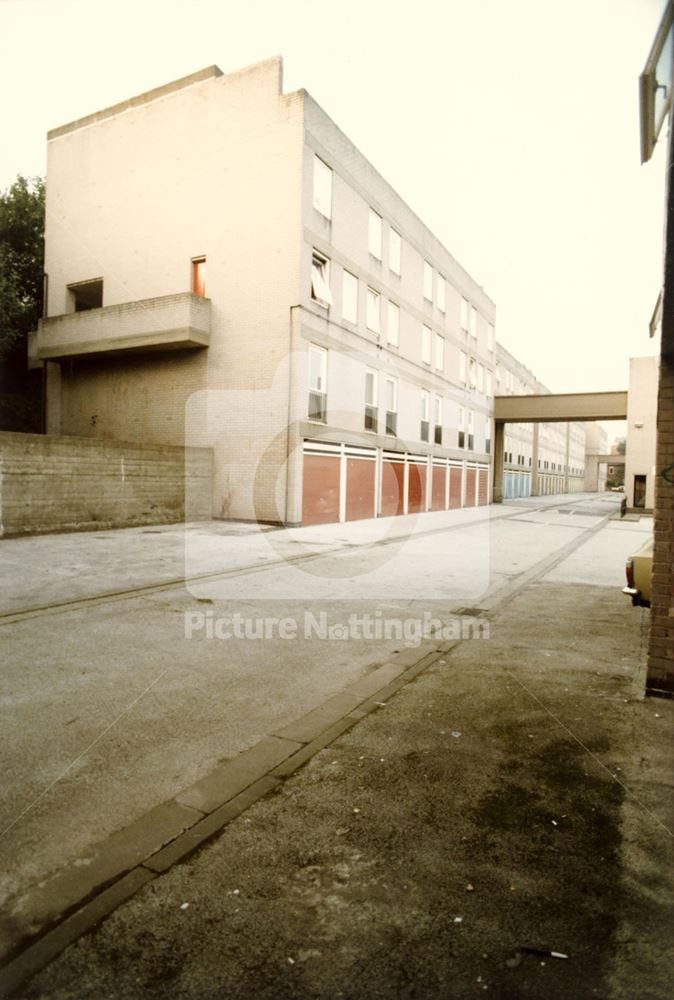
(660, 678)
(75, 484)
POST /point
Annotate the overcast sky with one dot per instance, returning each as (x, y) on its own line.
(511, 127)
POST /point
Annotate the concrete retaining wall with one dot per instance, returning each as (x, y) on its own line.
(50, 483)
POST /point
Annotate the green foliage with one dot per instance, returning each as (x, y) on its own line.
(21, 262)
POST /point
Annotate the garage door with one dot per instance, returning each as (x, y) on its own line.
(455, 475)
(320, 489)
(392, 488)
(360, 488)
(416, 488)
(483, 487)
(439, 483)
(471, 476)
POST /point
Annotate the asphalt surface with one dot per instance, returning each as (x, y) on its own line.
(517, 795)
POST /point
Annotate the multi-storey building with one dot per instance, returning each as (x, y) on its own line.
(226, 269)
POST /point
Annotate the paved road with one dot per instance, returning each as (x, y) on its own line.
(515, 796)
(109, 707)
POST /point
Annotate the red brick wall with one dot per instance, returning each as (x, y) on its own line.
(660, 679)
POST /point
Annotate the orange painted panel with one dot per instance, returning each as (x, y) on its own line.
(416, 488)
(320, 489)
(360, 486)
(392, 486)
(438, 488)
(470, 487)
(455, 476)
(483, 488)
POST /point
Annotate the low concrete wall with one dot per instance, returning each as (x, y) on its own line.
(50, 483)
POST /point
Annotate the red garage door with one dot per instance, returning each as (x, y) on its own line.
(438, 487)
(483, 487)
(454, 488)
(320, 489)
(392, 488)
(470, 487)
(416, 488)
(360, 487)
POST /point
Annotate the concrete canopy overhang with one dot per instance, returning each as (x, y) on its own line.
(564, 407)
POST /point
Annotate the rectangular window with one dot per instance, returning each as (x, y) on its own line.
(437, 419)
(471, 437)
(391, 404)
(488, 383)
(473, 322)
(424, 414)
(480, 378)
(463, 360)
(441, 293)
(86, 295)
(370, 399)
(320, 279)
(394, 251)
(426, 337)
(428, 281)
(487, 445)
(471, 373)
(349, 297)
(462, 430)
(199, 276)
(373, 311)
(439, 352)
(318, 368)
(464, 315)
(374, 234)
(322, 187)
(393, 324)
(490, 337)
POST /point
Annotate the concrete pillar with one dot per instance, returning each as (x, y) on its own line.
(567, 453)
(499, 444)
(534, 463)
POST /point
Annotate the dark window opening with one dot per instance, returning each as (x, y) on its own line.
(86, 295)
(370, 418)
(424, 430)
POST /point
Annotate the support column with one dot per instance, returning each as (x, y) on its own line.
(499, 443)
(534, 463)
(567, 453)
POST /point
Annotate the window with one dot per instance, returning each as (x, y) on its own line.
(487, 442)
(424, 414)
(464, 315)
(391, 404)
(394, 250)
(462, 432)
(373, 310)
(490, 337)
(370, 399)
(322, 187)
(349, 297)
(480, 378)
(439, 352)
(86, 295)
(393, 324)
(471, 373)
(441, 293)
(374, 234)
(437, 419)
(426, 336)
(318, 366)
(471, 436)
(463, 360)
(428, 281)
(473, 322)
(199, 276)
(320, 279)
(488, 383)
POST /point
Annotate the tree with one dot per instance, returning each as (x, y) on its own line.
(21, 282)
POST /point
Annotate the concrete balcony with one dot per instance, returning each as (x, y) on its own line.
(168, 323)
